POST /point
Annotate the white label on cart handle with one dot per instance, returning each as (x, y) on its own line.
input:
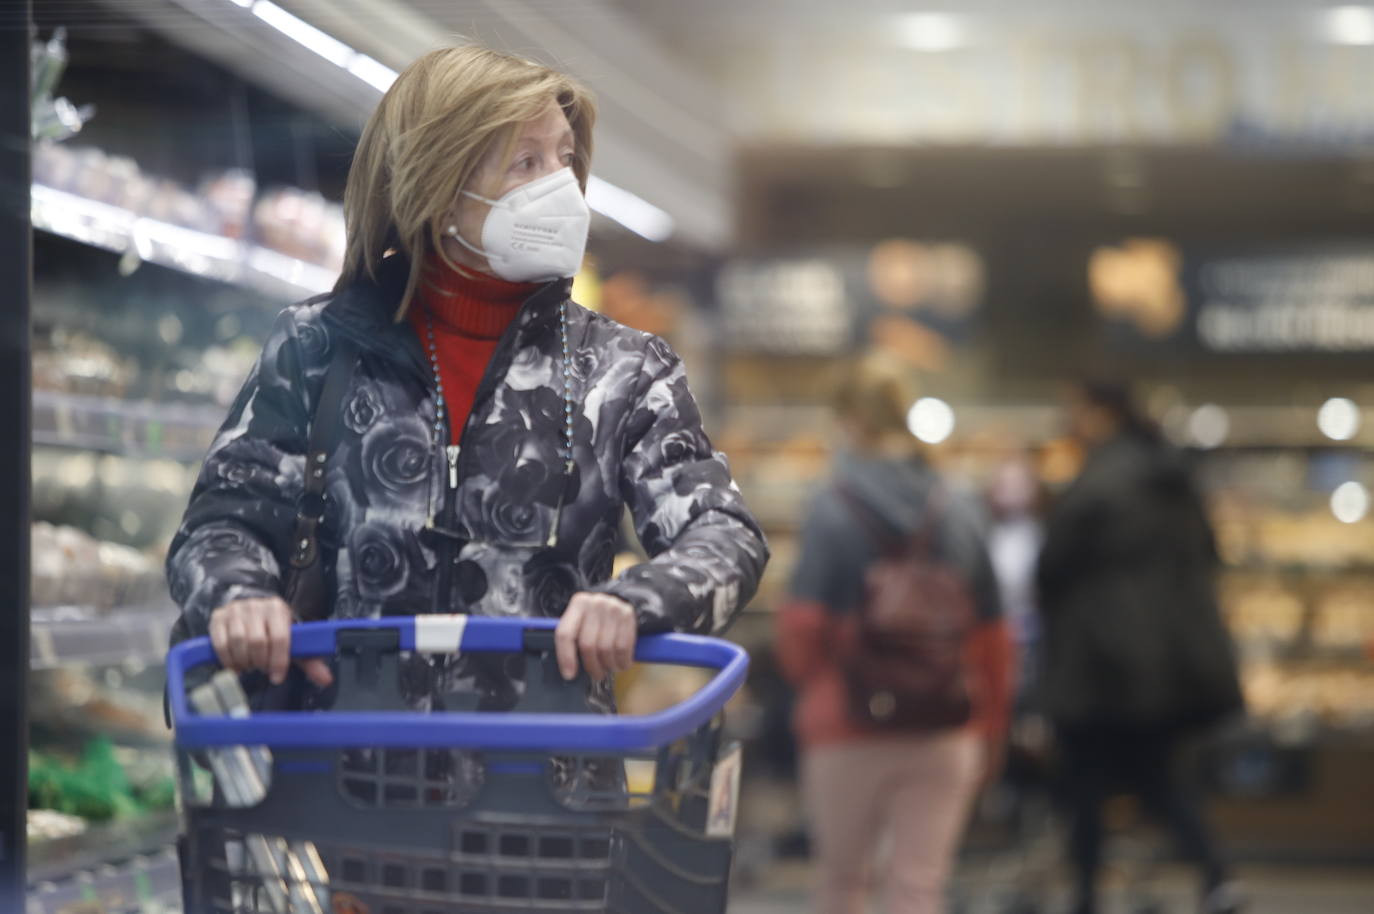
(720, 822)
(440, 633)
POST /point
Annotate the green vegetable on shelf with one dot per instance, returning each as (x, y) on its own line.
(95, 787)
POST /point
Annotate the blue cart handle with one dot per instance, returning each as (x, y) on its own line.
(540, 732)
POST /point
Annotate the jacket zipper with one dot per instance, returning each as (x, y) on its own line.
(452, 451)
(448, 521)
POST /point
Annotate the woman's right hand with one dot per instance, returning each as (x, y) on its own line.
(255, 634)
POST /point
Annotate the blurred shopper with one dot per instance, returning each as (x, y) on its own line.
(447, 431)
(893, 634)
(1137, 657)
(1014, 540)
(1023, 802)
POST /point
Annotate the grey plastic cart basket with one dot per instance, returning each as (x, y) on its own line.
(368, 808)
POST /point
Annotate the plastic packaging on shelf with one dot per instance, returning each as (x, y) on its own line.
(74, 701)
(229, 196)
(52, 119)
(301, 225)
(72, 568)
(1344, 618)
(1338, 697)
(293, 222)
(1263, 611)
(93, 786)
(50, 825)
(74, 362)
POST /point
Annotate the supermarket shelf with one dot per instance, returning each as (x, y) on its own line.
(61, 635)
(1326, 446)
(1299, 569)
(126, 427)
(125, 866)
(1300, 651)
(114, 228)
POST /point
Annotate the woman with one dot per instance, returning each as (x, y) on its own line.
(492, 431)
(861, 781)
(1136, 654)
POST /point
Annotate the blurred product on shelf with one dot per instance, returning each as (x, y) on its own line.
(1263, 611)
(50, 825)
(292, 222)
(229, 196)
(302, 225)
(52, 119)
(132, 500)
(1338, 697)
(1313, 538)
(79, 364)
(77, 701)
(71, 361)
(213, 375)
(96, 786)
(73, 568)
(1345, 618)
(655, 687)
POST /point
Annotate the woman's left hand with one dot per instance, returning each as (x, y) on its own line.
(602, 630)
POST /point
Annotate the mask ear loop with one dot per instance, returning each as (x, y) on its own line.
(487, 200)
(452, 232)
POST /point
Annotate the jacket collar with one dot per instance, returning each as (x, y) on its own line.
(365, 310)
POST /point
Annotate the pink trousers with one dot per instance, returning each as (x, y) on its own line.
(909, 796)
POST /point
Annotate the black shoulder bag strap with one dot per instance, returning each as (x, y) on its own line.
(305, 585)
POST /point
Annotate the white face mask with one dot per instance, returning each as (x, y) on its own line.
(535, 233)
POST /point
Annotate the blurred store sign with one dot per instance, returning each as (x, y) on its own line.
(1311, 301)
(912, 298)
(1034, 75)
(795, 307)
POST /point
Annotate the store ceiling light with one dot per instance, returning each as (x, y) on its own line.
(1339, 419)
(373, 72)
(931, 420)
(304, 34)
(1351, 25)
(630, 210)
(376, 74)
(929, 32)
(1350, 502)
(1208, 426)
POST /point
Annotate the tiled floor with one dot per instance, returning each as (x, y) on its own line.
(1273, 890)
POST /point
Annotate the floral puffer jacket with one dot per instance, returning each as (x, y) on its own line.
(404, 535)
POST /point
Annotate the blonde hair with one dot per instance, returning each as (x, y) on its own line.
(427, 137)
(875, 392)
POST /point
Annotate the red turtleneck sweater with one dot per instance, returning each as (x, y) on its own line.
(469, 313)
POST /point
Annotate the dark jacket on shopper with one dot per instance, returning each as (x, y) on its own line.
(829, 580)
(1133, 634)
(397, 540)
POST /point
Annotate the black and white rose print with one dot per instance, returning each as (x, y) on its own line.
(527, 532)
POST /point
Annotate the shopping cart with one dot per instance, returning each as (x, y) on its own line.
(370, 808)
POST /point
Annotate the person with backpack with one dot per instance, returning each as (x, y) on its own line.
(1137, 658)
(893, 635)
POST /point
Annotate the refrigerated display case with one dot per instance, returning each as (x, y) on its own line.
(142, 336)
(116, 448)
